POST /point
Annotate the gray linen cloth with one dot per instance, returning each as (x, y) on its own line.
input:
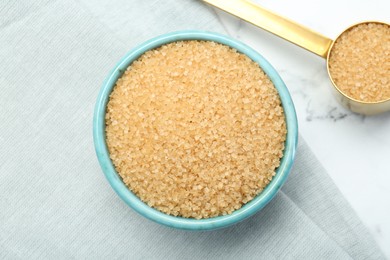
(54, 200)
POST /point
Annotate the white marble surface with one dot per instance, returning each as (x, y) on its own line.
(355, 149)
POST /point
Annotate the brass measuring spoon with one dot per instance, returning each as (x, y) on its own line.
(304, 38)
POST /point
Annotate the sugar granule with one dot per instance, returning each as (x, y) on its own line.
(195, 129)
(359, 62)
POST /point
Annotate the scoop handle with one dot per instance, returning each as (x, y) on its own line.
(276, 24)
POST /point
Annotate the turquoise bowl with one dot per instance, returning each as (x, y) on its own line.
(188, 223)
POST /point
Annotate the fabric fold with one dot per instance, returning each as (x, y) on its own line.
(54, 199)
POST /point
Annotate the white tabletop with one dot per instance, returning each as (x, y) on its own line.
(355, 149)
(54, 199)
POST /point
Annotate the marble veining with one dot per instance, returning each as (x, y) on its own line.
(332, 113)
(350, 146)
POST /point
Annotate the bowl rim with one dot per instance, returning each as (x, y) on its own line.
(142, 208)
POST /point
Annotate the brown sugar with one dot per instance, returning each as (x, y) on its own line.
(359, 62)
(195, 129)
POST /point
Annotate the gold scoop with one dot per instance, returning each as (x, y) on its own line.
(301, 36)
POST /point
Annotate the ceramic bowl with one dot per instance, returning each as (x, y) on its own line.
(188, 223)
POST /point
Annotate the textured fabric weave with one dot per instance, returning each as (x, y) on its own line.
(54, 200)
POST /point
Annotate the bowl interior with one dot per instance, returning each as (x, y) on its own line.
(187, 223)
